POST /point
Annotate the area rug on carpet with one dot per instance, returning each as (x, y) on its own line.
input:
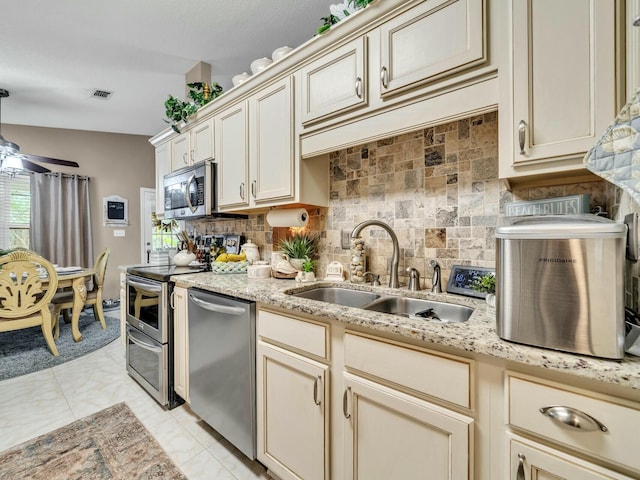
(111, 444)
(25, 351)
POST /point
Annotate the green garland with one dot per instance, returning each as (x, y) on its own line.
(200, 93)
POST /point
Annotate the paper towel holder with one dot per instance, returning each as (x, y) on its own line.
(287, 217)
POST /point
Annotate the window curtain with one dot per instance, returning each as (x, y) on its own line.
(5, 212)
(61, 219)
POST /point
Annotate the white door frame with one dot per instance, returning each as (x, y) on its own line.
(147, 205)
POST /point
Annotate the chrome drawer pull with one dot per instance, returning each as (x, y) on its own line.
(384, 77)
(520, 472)
(570, 417)
(359, 87)
(344, 403)
(315, 391)
(522, 134)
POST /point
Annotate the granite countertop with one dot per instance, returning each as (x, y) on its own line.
(477, 335)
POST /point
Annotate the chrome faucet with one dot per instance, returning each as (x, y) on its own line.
(435, 282)
(395, 259)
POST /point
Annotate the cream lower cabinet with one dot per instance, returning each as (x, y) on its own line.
(292, 414)
(531, 461)
(395, 435)
(179, 303)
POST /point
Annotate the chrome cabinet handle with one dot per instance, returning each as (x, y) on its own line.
(520, 472)
(315, 391)
(192, 155)
(171, 302)
(253, 188)
(384, 77)
(184, 158)
(344, 403)
(573, 418)
(242, 190)
(359, 87)
(522, 135)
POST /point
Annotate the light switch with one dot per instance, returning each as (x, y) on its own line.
(118, 233)
(345, 239)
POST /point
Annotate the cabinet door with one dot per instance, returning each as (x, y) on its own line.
(180, 152)
(529, 461)
(232, 156)
(163, 163)
(433, 39)
(335, 82)
(272, 150)
(564, 74)
(394, 435)
(201, 142)
(181, 343)
(292, 414)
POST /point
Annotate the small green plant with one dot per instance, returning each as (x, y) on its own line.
(301, 245)
(307, 265)
(200, 93)
(341, 11)
(485, 283)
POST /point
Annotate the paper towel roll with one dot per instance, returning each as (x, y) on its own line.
(288, 217)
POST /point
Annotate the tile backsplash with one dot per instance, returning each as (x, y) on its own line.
(438, 188)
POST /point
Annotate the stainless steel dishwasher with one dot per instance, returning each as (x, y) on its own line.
(222, 358)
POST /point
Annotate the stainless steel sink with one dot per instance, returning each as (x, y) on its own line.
(339, 296)
(421, 309)
(415, 308)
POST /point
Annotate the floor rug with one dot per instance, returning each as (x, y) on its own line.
(111, 444)
(25, 351)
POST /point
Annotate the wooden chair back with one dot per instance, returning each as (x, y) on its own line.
(101, 266)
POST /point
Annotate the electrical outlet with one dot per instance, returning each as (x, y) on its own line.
(118, 233)
(345, 242)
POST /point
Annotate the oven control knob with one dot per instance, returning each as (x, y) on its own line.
(140, 326)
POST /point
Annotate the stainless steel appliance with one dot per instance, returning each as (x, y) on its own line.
(559, 283)
(222, 355)
(149, 335)
(190, 192)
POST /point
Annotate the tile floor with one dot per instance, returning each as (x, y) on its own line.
(43, 401)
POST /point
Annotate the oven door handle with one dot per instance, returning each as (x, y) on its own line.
(141, 344)
(214, 307)
(191, 180)
(150, 287)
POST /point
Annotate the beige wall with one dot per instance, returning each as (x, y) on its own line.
(116, 164)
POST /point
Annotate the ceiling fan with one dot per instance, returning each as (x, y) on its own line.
(11, 160)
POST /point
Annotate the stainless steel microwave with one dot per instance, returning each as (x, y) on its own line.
(190, 192)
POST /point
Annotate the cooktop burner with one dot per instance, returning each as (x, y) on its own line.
(163, 272)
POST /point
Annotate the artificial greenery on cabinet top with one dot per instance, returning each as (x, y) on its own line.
(200, 93)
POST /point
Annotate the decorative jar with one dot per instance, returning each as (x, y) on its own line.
(260, 64)
(358, 261)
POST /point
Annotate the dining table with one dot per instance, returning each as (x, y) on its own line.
(75, 279)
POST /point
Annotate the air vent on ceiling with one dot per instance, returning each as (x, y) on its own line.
(102, 94)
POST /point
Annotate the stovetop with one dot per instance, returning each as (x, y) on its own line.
(162, 273)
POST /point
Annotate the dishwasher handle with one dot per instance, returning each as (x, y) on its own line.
(214, 307)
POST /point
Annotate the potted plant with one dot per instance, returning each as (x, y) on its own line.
(486, 284)
(298, 248)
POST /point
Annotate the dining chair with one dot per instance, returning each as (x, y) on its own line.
(64, 300)
(26, 293)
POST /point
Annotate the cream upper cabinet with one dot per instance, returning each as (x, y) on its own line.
(431, 40)
(163, 164)
(394, 435)
(181, 342)
(232, 156)
(271, 152)
(292, 414)
(558, 83)
(180, 154)
(336, 82)
(201, 141)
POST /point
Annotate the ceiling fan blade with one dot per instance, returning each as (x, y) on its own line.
(56, 161)
(34, 167)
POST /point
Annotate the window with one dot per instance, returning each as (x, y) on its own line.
(164, 233)
(14, 221)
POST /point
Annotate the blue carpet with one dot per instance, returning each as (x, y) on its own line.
(25, 351)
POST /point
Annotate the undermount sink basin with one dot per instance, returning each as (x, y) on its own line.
(421, 309)
(339, 296)
(415, 308)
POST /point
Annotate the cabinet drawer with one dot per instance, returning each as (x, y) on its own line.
(526, 398)
(439, 376)
(308, 337)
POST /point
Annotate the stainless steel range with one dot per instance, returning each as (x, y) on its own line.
(150, 329)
